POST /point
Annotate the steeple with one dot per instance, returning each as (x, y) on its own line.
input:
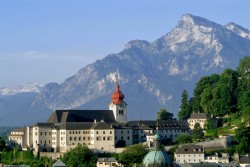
(118, 106)
(117, 97)
(157, 139)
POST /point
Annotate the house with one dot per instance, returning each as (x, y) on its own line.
(17, 137)
(224, 159)
(107, 162)
(200, 118)
(189, 154)
(244, 160)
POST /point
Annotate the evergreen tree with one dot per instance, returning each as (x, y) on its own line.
(185, 109)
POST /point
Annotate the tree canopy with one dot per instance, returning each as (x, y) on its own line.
(163, 114)
(133, 155)
(185, 109)
(221, 95)
(80, 156)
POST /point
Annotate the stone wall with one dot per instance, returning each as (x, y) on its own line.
(53, 155)
(221, 142)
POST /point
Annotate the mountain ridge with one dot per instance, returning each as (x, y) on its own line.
(152, 75)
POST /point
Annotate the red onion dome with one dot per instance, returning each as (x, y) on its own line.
(117, 97)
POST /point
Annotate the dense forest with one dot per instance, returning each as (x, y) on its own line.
(220, 95)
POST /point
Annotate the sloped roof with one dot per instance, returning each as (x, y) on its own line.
(189, 149)
(199, 116)
(76, 125)
(44, 124)
(101, 125)
(22, 129)
(152, 124)
(107, 159)
(245, 159)
(60, 116)
(59, 163)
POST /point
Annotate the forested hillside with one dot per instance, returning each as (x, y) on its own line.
(221, 95)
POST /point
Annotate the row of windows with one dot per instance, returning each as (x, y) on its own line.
(122, 138)
(78, 132)
(41, 142)
(189, 155)
(45, 133)
(103, 132)
(122, 131)
(16, 138)
(162, 131)
(190, 160)
(197, 120)
(99, 138)
(79, 138)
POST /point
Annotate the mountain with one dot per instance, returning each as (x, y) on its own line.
(31, 87)
(152, 75)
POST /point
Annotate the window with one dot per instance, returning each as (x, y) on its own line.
(41, 133)
(128, 137)
(83, 138)
(120, 111)
(110, 132)
(104, 138)
(128, 131)
(79, 138)
(75, 138)
(96, 132)
(70, 138)
(45, 133)
(103, 132)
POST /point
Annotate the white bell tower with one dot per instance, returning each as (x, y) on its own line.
(118, 106)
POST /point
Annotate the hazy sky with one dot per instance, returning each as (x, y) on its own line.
(50, 40)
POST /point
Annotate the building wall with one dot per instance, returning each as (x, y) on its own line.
(124, 134)
(42, 137)
(103, 139)
(189, 158)
(191, 123)
(17, 138)
(120, 112)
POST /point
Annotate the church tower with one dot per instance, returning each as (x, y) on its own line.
(118, 106)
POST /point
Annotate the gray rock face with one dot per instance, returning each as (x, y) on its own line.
(152, 75)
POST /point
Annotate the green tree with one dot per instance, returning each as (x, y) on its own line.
(244, 66)
(185, 109)
(2, 144)
(242, 138)
(197, 133)
(243, 96)
(206, 100)
(184, 138)
(163, 114)
(133, 155)
(80, 156)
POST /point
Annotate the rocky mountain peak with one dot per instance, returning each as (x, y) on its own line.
(137, 44)
(243, 32)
